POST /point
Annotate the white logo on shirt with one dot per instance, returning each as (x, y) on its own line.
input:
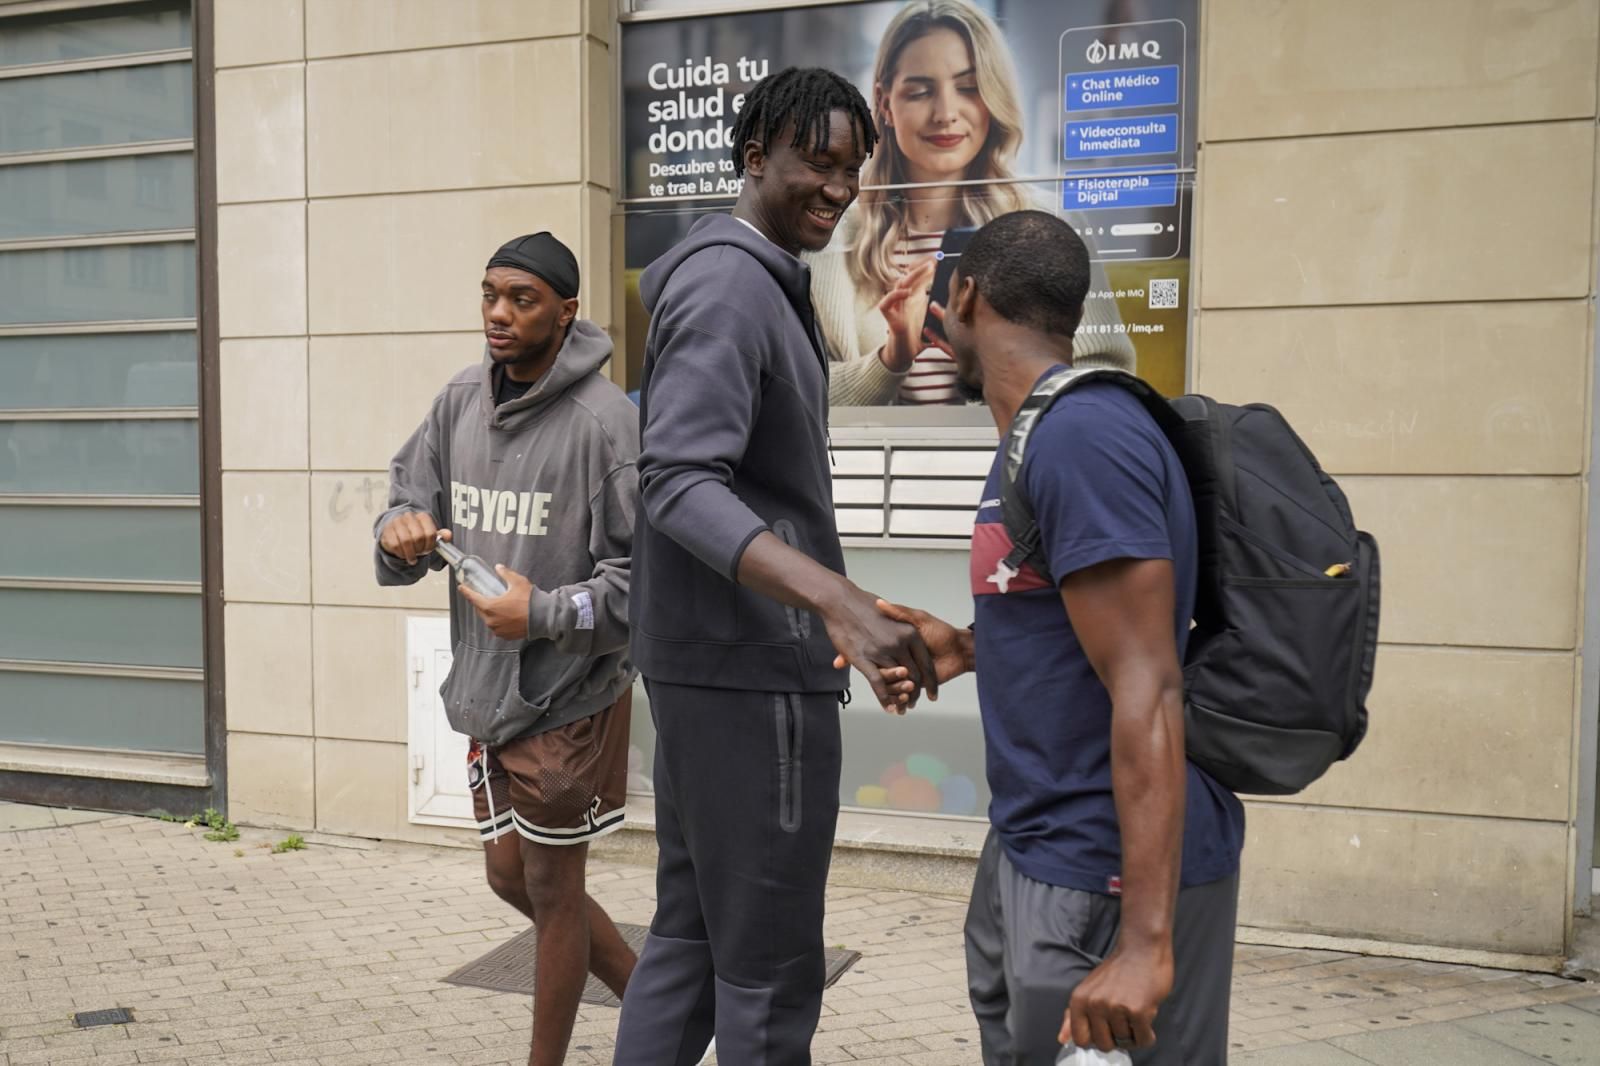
(1001, 578)
(499, 510)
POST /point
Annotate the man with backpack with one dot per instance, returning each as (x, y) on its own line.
(1103, 913)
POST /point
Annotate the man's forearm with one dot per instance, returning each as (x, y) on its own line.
(772, 568)
(861, 636)
(1149, 780)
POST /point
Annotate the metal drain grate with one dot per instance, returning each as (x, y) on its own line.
(510, 967)
(115, 1016)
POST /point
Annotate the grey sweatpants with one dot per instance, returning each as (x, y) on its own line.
(1029, 944)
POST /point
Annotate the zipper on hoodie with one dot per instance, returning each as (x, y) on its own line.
(820, 345)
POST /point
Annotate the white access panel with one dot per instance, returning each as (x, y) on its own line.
(438, 754)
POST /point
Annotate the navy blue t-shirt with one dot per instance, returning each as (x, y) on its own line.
(1105, 484)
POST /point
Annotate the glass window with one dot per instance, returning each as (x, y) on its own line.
(147, 268)
(90, 196)
(84, 267)
(101, 543)
(937, 748)
(50, 371)
(1136, 314)
(93, 34)
(108, 370)
(124, 628)
(92, 108)
(109, 283)
(942, 751)
(131, 458)
(131, 713)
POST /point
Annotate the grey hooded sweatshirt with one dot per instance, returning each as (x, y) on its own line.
(545, 485)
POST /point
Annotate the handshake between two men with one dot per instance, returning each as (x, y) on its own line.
(950, 654)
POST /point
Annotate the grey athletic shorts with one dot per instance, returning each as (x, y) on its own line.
(1029, 944)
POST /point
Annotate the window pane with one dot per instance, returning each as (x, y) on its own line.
(93, 34)
(103, 712)
(126, 628)
(86, 196)
(136, 458)
(101, 543)
(111, 283)
(98, 370)
(946, 748)
(89, 108)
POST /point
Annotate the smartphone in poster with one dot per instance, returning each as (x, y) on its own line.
(983, 107)
(1122, 148)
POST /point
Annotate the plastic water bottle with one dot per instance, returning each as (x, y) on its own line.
(1072, 1055)
(472, 571)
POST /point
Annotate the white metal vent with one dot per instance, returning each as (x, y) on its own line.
(919, 491)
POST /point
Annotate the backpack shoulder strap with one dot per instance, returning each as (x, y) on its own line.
(1016, 510)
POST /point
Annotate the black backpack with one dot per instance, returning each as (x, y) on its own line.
(1286, 608)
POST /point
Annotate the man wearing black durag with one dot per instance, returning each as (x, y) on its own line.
(741, 604)
(526, 460)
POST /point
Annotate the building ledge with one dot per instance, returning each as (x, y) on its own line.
(1301, 940)
(106, 764)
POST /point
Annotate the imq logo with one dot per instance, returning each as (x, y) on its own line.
(1100, 52)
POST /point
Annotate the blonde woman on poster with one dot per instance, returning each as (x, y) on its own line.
(944, 94)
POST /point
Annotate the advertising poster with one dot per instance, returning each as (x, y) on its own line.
(1081, 107)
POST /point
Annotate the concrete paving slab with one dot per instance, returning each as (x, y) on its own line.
(1299, 1055)
(1440, 1044)
(1555, 1033)
(66, 817)
(333, 956)
(14, 816)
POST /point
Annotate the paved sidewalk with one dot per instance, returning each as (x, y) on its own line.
(230, 955)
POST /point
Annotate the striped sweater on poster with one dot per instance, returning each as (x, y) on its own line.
(932, 377)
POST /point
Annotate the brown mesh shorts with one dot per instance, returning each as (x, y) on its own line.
(568, 785)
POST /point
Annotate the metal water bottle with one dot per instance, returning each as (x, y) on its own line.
(471, 571)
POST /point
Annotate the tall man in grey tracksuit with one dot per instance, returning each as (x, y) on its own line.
(527, 460)
(740, 603)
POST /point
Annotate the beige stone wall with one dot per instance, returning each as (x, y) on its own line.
(1396, 247)
(370, 155)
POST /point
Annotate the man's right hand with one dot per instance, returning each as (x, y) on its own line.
(872, 642)
(410, 535)
(952, 651)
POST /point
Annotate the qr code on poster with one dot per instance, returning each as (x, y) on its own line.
(1163, 294)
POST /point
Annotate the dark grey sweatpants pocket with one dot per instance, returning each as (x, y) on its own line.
(790, 719)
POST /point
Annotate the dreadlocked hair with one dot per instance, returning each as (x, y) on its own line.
(805, 97)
